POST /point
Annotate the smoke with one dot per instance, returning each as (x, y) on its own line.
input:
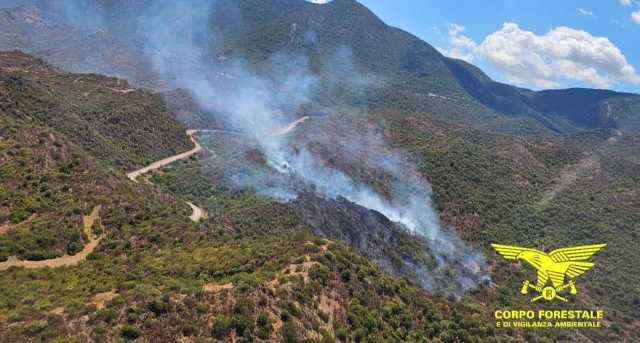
(258, 99)
(404, 197)
(78, 14)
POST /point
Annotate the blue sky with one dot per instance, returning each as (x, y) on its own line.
(536, 44)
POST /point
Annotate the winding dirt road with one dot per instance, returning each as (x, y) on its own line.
(89, 220)
(66, 260)
(159, 164)
(197, 212)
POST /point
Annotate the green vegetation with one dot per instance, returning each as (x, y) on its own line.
(253, 269)
(495, 188)
(125, 130)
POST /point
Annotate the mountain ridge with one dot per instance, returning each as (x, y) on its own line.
(317, 269)
(406, 71)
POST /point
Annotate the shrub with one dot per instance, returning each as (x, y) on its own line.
(311, 248)
(202, 308)
(221, 327)
(342, 333)
(18, 216)
(243, 324)
(263, 319)
(188, 330)
(263, 333)
(130, 332)
(96, 229)
(108, 315)
(326, 337)
(293, 309)
(360, 335)
(345, 276)
(159, 306)
(40, 255)
(319, 272)
(290, 332)
(36, 327)
(74, 247)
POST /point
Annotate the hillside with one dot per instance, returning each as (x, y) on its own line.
(49, 36)
(153, 267)
(123, 126)
(550, 191)
(64, 135)
(559, 110)
(154, 274)
(359, 59)
(353, 178)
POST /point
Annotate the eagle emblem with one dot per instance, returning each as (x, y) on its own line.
(556, 266)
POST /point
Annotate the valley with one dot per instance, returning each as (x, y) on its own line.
(285, 171)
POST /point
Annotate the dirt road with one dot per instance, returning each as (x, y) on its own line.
(65, 260)
(89, 220)
(8, 227)
(285, 130)
(197, 212)
(159, 164)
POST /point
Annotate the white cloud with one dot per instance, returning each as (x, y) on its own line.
(635, 16)
(461, 46)
(562, 54)
(625, 2)
(585, 12)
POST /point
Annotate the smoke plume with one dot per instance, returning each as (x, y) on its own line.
(180, 42)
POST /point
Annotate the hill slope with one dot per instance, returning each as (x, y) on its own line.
(157, 276)
(124, 126)
(259, 269)
(343, 38)
(559, 110)
(343, 42)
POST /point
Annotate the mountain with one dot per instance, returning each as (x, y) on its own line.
(314, 268)
(109, 260)
(414, 69)
(394, 68)
(46, 35)
(559, 110)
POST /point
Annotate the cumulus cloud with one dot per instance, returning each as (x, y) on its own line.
(635, 16)
(461, 46)
(585, 12)
(562, 54)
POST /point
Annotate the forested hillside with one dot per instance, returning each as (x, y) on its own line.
(351, 180)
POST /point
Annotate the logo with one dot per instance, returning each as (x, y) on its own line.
(559, 268)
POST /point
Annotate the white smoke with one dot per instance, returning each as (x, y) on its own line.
(178, 40)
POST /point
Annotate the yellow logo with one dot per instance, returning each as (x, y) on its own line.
(555, 266)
